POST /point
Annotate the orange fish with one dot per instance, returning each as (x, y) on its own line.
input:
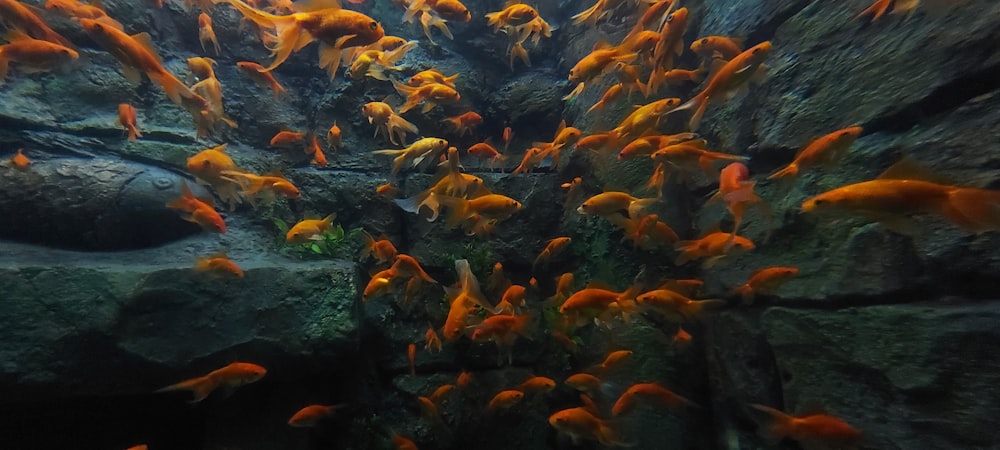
(675, 306)
(689, 157)
(502, 329)
(379, 284)
(432, 342)
(206, 33)
(261, 76)
(901, 192)
(33, 55)
(644, 119)
(583, 423)
(669, 47)
(713, 246)
(220, 264)
(333, 138)
(734, 75)
(614, 92)
(335, 28)
(382, 250)
(464, 123)
(595, 63)
(318, 157)
(407, 265)
(515, 14)
(432, 94)
(508, 134)
(411, 355)
(552, 249)
(648, 232)
(537, 385)
(647, 145)
(736, 189)
(309, 230)
(137, 55)
(585, 382)
(403, 443)
(613, 361)
(881, 7)
(483, 150)
(198, 211)
(464, 298)
(287, 139)
(512, 298)
(20, 16)
(824, 150)
(813, 432)
(79, 10)
(386, 120)
(127, 119)
(765, 282)
(230, 377)
(679, 76)
(682, 339)
(265, 187)
(505, 400)
(311, 415)
(599, 142)
(208, 167)
(432, 76)
(649, 391)
(440, 392)
(612, 202)
(19, 161)
(596, 302)
(724, 47)
(464, 379)
(207, 115)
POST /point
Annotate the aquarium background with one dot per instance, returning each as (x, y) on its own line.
(99, 306)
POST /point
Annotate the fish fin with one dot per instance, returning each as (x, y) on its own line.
(315, 5)
(791, 170)
(200, 387)
(908, 168)
(133, 75)
(775, 426)
(146, 42)
(975, 210)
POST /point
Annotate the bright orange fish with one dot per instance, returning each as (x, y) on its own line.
(230, 377)
(33, 55)
(744, 68)
(79, 10)
(19, 161)
(724, 47)
(765, 282)
(583, 423)
(432, 342)
(312, 415)
(382, 250)
(198, 211)
(309, 230)
(431, 94)
(813, 432)
(206, 33)
(220, 264)
(675, 306)
(20, 16)
(403, 443)
(649, 391)
(261, 76)
(333, 136)
(464, 123)
(824, 150)
(505, 400)
(552, 249)
(713, 246)
(287, 139)
(394, 126)
(127, 119)
(537, 385)
(411, 355)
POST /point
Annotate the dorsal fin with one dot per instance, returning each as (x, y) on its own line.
(15, 35)
(97, 4)
(589, 405)
(597, 284)
(315, 5)
(601, 44)
(908, 169)
(147, 42)
(562, 126)
(220, 148)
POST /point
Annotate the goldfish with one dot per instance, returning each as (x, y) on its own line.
(502, 329)
(598, 142)
(648, 232)
(599, 9)
(644, 119)
(463, 297)
(513, 297)
(594, 64)
(724, 47)
(379, 284)
(647, 145)
(403, 443)
(613, 360)
(765, 282)
(813, 432)
(484, 150)
(206, 33)
(266, 187)
(532, 158)
(585, 382)
(311, 415)
(690, 156)
(564, 288)
(479, 211)
(220, 264)
(628, 77)
(127, 119)
(608, 203)
(583, 423)
(614, 92)
(714, 246)
(553, 248)
(464, 379)
(508, 134)
(210, 167)
(411, 355)
(309, 230)
(729, 79)
(20, 16)
(431, 340)
(678, 76)
(538, 385)
(198, 211)
(464, 123)
(675, 306)
(333, 138)
(565, 137)
(669, 46)
(597, 303)
(513, 15)
(386, 120)
(431, 94)
(138, 447)
(79, 10)
(648, 391)
(441, 392)
(335, 28)
(33, 55)
(137, 55)
(681, 339)
(374, 63)
(382, 250)
(232, 376)
(19, 161)
(414, 154)
(318, 157)
(207, 115)
(824, 150)
(287, 139)
(881, 7)
(409, 266)
(736, 189)
(257, 73)
(902, 192)
(505, 400)
(432, 76)
(498, 282)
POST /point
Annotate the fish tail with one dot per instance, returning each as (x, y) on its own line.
(687, 249)
(493, 20)
(201, 387)
(775, 427)
(791, 170)
(699, 103)
(746, 293)
(590, 15)
(4, 66)
(975, 210)
(393, 57)
(696, 307)
(133, 133)
(638, 207)
(176, 90)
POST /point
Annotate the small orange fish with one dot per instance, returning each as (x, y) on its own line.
(669, 47)
(311, 415)
(379, 284)
(219, 263)
(287, 139)
(608, 203)
(649, 391)
(440, 392)
(822, 151)
(79, 10)
(333, 137)
(265, 187)
(464, 123)
(584, 382)
(318, 157)
(675, 306)
(127, 119)
(483, 150)
(537, 385)
(432, 76)
(613, 361)
(33, 55)
(411, 355)
(387, 191)
(552, 249)
(682, 340)
(464, 379)
(257, 73)
(583, 423)
(386, 121)
(408, 266)
(505, 400)
(724, 47)
(765, 282)
(198, 211)
(431, 94)
(309, 230)
(744, 68)
(382, 250)
(138, 447)
(513, 15)
(21, 16)
(206, 33)
(736, 190)
(812, 432)
(508, 134)
(403, 443)
(432, 342)
(232, 376)
(19, 161)
(614, 92)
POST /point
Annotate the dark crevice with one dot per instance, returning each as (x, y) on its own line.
(941, 100)
(767, 30)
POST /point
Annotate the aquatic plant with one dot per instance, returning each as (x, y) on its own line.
(334, 243)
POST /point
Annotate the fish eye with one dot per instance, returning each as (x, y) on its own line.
(670, 18)
(820, 201)
(373, 25)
